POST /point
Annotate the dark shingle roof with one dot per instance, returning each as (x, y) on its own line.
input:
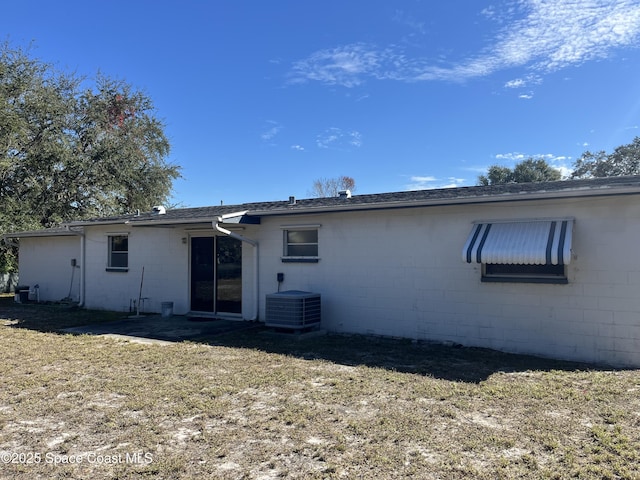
(405, 199)
(476, 194)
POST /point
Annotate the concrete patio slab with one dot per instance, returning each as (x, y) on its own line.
(164, 329)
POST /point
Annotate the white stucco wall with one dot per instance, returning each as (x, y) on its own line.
(400, 273)
(46, 261)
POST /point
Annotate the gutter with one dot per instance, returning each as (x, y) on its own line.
(162, 223)
(216, 225)
(83, 241)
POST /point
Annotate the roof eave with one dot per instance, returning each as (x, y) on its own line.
(476, 199)
(230, 219)
(39, 233)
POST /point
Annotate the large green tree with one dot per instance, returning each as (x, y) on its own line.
(625, 160)
(529, 170)
(73, 149)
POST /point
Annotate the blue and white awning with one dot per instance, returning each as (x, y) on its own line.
(538, 242)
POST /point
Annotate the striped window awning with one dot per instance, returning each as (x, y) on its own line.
(537, 242)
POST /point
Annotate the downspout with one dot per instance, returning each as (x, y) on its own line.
(82, 261)
(254, 244)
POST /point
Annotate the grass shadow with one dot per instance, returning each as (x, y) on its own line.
(442, 361)
(447, 362)
(50, 317)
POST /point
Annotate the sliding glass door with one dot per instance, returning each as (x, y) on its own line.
(216, 275)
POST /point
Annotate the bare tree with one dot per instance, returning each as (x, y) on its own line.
(329, 187)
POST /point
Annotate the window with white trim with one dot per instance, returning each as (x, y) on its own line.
(300, 245)
(118, 258)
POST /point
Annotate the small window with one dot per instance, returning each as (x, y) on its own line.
(118, 253)
(495, 272)
(300, 245)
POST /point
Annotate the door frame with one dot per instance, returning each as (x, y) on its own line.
(215, 312)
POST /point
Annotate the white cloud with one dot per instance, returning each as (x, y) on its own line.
(417, 179)
(524, 82)
(490, 12)
(270, 130)
(354, 138)
(511, 156)
(328, 138)
(561, 163)
(344, 66)
(336, 138)
(517, 83)
(430, 182)
(300, 148)
(564, 171)
(476, 170)
(517, 157)
(541, 35)
(526, 96)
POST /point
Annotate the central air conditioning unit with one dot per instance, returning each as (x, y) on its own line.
(293, 309)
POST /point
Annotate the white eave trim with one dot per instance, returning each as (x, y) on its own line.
(43, 233)
(302, 226)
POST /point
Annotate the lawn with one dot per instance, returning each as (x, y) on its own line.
(252, 405)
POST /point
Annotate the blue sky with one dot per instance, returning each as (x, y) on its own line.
(262, 98)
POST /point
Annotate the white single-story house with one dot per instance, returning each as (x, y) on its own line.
(550, 269)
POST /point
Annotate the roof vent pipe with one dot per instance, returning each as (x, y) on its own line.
(159, 210)
(292, 200)
(344, 193)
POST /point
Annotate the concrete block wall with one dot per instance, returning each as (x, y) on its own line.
(164, 254)
(396, 273)
(46, 261)
(249, 309)
(400, 273)
(160, 251)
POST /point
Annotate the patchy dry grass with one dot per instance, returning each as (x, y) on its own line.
(49, 317)
(255, 406)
